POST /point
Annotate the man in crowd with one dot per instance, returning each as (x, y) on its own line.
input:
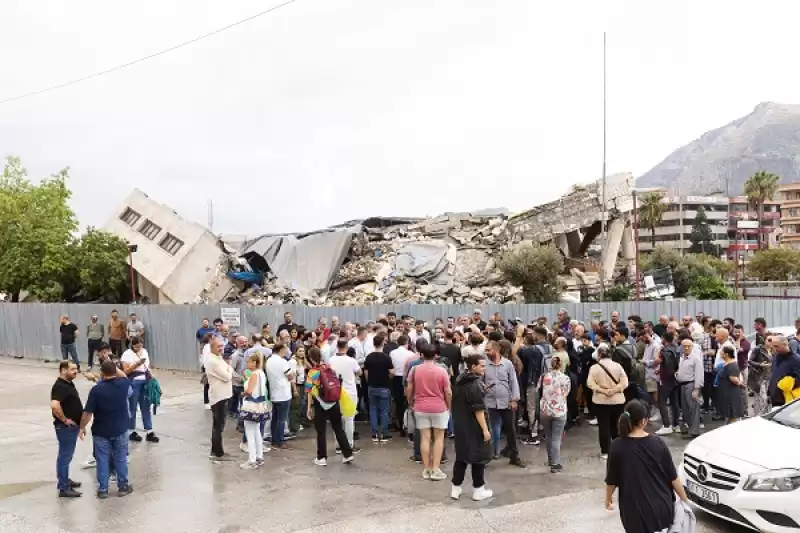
(116, 333)
(238, 364)
(419, 332)
(95, 333)
(379, 369)
(476, 319)
(204, 328)
(535, 356)
(502, 395)
(69, 333)
(690, 379)
(667, 363)
(108, 404)
(280, 378)
(220, 389)
(348, 371)
(67, 409)
(287, 323)
(135, 328)
(784, 363)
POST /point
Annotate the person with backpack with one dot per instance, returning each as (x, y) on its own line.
(668, 391)
(324, 397)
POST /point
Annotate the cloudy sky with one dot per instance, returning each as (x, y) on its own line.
(329, 110)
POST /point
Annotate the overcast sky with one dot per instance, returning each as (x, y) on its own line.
(329, 110)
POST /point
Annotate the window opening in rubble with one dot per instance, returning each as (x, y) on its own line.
(149, 229)
(171, 244)
(129, 216)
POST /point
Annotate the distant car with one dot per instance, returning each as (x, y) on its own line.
(748, 472)
(787, 331)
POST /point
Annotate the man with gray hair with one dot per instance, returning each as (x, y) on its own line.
(784, 363)
(238, 364)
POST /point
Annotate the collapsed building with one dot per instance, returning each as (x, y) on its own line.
(451, 258)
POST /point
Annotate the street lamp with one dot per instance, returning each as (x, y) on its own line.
(131, 249)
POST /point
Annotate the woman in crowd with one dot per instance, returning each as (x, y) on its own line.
(298, 365)
(608, 381)
(204, 351)
(641, 467)
(254, 411)
(429, 395)
(555, 389)
(729, 397)
(473, 439)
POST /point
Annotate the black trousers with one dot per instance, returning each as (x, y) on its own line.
(399, 398)
(708, 389)
(334, 415)
(509, 430)
(673, 394)
(217, 427)
(607, 418)
(460, 470)
(116, 346)
(92, 345)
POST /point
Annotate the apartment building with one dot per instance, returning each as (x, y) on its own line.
(789, 197)
(176, 260)
(676, 224)
(745, 227)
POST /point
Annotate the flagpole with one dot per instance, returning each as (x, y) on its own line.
(604, 237)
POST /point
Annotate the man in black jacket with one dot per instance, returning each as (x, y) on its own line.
(533, 355)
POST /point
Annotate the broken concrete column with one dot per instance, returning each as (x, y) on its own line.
(563, 245)
(629, 249)
(574, 239)
(611, 247)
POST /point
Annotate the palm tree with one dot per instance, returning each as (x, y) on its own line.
(759, 188)
(651, 211)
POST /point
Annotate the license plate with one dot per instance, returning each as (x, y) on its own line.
(702, 492)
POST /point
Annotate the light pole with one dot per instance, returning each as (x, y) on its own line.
(132, 248)
(604, 237)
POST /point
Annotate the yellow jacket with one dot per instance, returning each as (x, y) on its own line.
(787, 385)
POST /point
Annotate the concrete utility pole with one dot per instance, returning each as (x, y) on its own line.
(604, 238)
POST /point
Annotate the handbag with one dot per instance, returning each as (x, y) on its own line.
(256, 408)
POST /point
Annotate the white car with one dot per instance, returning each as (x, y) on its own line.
(787, 331)
(749, 472)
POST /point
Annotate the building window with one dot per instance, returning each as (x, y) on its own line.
(171, 244)
(129, 216)
(149, 230)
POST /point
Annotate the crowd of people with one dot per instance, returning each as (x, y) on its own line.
(489, 385)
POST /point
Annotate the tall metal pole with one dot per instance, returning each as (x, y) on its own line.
(133, 285)
(636, 245)
(604, 238)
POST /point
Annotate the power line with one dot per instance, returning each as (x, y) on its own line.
(145, 58)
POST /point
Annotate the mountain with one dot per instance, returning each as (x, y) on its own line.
(767, 139)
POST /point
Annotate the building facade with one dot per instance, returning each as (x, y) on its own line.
(745, 228)
(789, 195)
(176, 260)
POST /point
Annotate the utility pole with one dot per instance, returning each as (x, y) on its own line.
(604, 238)
(211, 215)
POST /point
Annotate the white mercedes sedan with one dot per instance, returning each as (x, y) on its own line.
(749, 472)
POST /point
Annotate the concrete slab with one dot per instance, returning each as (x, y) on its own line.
(178, 489)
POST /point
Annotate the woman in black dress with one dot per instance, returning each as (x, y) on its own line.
(729, 392)
(473, 438)
(641, 466)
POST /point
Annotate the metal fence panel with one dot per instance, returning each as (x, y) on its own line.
(30, 330)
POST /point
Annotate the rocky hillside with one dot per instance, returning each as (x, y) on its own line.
(767, 139)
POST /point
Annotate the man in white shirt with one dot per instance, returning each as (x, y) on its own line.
(136, 364)
(400, 358)
(419, 331)
(348, 371)
(723, 337)
(280, 377)
(329, 349)
(357, 343)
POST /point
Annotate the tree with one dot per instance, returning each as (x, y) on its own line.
(776, 264)
(99, 262)
(710, 288)
(701, 236)
(535, 268)
(759, 188)
(686, 269)
(651, 211)
(620, 292)
(36, 226)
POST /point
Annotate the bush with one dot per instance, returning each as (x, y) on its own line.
(535, 269)
(710, 288)
(777, 264)
(687, 269)
(618, 293)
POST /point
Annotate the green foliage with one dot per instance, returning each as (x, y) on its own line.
(776, 264)
(651, 211)
(618, 293)
(535, 269)
(710, 288)
(36, 225)
(99, 261)
(759, 188)
(686, 269)
(701, 236)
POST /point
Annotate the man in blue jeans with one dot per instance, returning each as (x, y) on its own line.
(69, 333)
(67, 409)
(279, 377)
(136, 364)
(379, 370)
(108, 404)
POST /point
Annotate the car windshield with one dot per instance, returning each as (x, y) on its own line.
(787, 416)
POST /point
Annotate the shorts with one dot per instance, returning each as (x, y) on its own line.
(432, 420)
(651, 385)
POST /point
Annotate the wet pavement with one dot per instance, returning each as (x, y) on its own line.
(177, 489)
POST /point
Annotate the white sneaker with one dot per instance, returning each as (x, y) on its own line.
(437, 475)
(676, 429)
(604, 456)
(455, 492)
(426, 474)
(481, 493)
(207, 407)
(320, 462)
(655, 418)
(248, 466)
(243, 447)
(89, 463)
(666, 430)
(593, 422)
